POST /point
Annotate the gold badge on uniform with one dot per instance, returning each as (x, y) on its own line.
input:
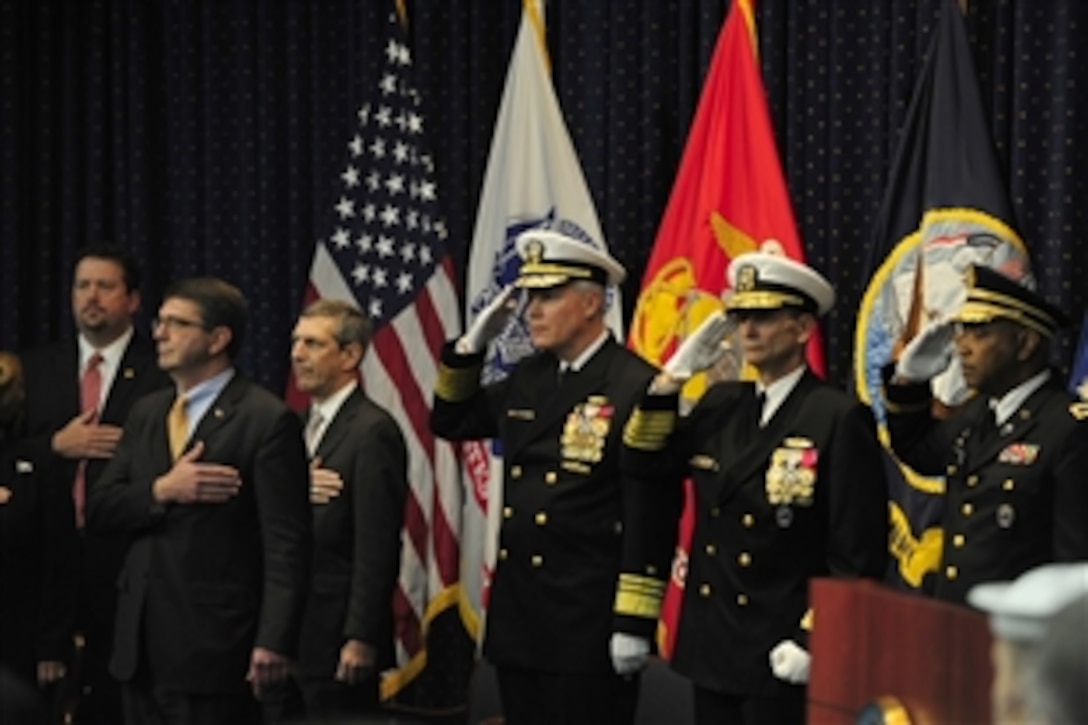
(586, 429)
(791, 477)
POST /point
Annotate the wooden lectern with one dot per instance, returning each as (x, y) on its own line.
(870, 643)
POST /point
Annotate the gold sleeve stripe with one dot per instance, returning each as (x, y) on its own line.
(647, 430)
(806, 621)
(457, 384)
(639, 596)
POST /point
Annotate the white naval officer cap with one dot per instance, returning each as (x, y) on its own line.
(550, 259)
(1021, 609)
(764, 280)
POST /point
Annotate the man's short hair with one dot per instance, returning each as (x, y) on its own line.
(130, 268)
(352, 325)
(221, 304)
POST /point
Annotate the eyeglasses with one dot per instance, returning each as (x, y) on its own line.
(175, 323)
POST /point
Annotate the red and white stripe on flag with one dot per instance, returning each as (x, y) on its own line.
(386, 253)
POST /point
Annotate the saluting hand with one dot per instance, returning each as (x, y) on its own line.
(193, 481)
(699, 351)
(488, 323)
(927, 355)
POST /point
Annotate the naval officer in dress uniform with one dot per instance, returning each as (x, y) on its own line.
(584, 554)
(788, 485)
(1014, 458)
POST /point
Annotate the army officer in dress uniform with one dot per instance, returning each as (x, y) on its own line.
(1014, 458)
(788, 485)
(583, 553)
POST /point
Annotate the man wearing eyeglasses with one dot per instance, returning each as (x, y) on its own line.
(210, 481)
(78, 394)
(1014, 458)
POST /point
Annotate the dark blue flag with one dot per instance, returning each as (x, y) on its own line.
(1078, 378)
(946, 207)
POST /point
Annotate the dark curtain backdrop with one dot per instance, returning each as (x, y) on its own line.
(208, 136)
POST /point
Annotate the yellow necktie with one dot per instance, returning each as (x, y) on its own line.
(177, 426)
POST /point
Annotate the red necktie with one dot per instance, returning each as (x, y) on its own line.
(90, 388)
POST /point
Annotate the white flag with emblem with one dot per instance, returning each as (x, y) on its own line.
(533, 180)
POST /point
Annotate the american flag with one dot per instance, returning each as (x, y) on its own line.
(387, 252)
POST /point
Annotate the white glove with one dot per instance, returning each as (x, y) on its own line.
(629, 653)
(928, 354)
(790, 662)
(488, 323)
(701, 349)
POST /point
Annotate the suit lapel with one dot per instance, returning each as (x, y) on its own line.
(340, 425)
(69, 372)
(138, 356)
(221, 410)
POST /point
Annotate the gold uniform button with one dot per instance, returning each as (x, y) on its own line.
(715, 512)
(503, 553)
(551, 477)
(742, 600)
(744, 559)
(711, 550)
(951, 572)
(972, 480)
(541, 518)
(1008, 485)
(515, 471)
(748, 520)
(704, 590)
(651, 569)
(951, 470)
(537, 560)
(958, 541)
(967, 509)
(507, 512)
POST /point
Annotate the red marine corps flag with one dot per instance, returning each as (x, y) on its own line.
(729, 197)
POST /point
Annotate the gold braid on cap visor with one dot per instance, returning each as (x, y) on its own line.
(984, 305)
(765, 300)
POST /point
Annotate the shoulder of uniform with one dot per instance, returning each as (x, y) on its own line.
(1079, 409)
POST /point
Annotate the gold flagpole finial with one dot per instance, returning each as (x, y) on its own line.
(402, 13)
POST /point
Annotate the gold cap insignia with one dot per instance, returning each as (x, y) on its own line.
(746, 278)
(534, 251)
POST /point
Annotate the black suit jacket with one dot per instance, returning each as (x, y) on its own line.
(37, 582)
(805, 496)
(202, 584)
(52, 400)
(356, 558)
(574, 532)
(1014, 499)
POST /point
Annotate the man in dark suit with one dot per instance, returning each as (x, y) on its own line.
(359, 484)
(788, 483)
(583, 554)
(70, 443)
(1014, 457)
(210, 482)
